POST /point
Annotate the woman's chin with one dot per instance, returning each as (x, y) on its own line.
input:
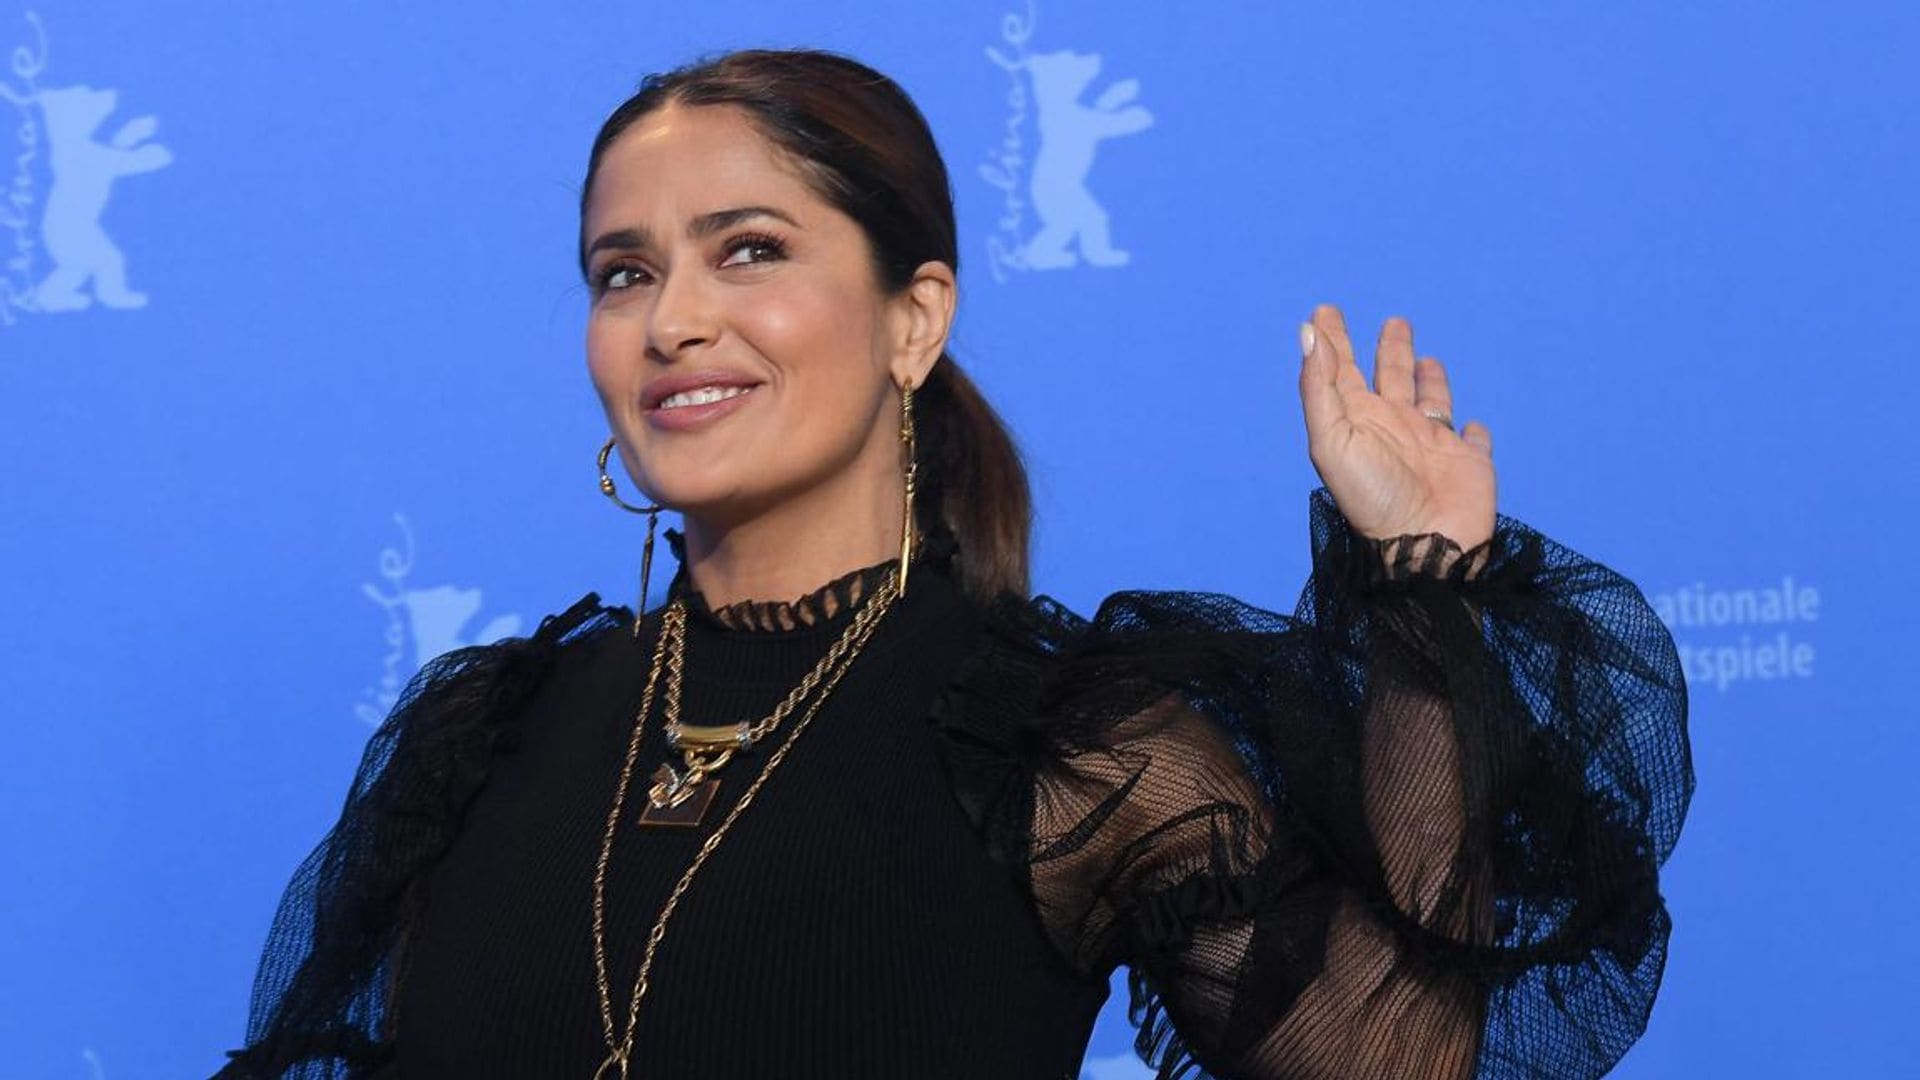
(710, 505)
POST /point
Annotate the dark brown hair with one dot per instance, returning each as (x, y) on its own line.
(867, 151)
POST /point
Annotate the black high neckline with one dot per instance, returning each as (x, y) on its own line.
(827, 608)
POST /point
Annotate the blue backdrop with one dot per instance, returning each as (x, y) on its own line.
(292, 396)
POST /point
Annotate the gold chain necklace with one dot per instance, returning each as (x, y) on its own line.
(680, 797)
(672, 643)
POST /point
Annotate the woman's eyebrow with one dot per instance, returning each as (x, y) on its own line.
(634, 237)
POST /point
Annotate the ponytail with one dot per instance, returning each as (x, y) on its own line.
(979, 483)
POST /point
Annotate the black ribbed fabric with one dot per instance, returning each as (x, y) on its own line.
(1412, 830)
(850, 924)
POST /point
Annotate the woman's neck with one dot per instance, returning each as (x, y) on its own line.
(798, 544)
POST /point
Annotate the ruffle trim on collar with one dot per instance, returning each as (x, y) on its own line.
(825, 607)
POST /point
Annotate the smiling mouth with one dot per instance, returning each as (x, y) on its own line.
(704, 395)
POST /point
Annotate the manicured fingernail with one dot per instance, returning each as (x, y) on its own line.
(1307, 339)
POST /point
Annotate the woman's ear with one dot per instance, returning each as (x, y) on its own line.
(922, 319)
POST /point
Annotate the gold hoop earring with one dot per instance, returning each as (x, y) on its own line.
(653, 518)
(912, 469)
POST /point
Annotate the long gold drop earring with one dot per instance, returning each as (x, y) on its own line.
(653, 518)
(912, 468)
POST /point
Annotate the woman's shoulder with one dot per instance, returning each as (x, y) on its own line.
(1045, 675)
(481, 686)
(564, 629)
(1134, 633)
(586, 618)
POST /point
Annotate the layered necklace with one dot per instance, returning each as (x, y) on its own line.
(680, 797)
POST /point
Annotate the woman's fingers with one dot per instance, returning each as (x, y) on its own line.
(1332, 329)
(1319, 396)
(1393, 361)
(1476, 434)
(1433, 394)
(1328, 374)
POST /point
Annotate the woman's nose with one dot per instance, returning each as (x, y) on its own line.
(683, 315)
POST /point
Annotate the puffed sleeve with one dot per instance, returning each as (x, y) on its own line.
(1412, 830)
(337, 942)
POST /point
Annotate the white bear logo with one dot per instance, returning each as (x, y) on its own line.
(440, 617)
(421, 624)
(1069, 131)
(84, 172)
(1073, 226)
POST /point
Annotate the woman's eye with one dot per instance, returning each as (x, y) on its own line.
(770, 246)
(617, 277)
(762, 248)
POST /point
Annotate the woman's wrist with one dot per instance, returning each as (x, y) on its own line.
(1430, 555)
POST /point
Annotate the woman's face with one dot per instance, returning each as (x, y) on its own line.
(739, 341)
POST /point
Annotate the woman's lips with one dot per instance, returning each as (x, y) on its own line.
(698, 407)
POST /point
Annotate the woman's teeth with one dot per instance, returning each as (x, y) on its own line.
(705, 395)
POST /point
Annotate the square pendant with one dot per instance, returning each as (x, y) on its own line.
(686, 811)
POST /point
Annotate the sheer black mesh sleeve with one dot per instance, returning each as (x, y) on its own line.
(1412, 830)
(321, 993)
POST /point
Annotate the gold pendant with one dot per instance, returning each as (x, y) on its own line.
(677, 800)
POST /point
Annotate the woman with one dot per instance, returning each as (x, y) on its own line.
(908, 823)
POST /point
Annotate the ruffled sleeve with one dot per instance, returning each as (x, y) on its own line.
(333, 952)
(1412, 830)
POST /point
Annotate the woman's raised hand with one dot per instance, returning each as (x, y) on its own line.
(1391, 468)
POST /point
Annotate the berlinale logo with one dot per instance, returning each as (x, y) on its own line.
(422, 623)
(1070, 226)
(61, 257)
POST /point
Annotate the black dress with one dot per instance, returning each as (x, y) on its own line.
(1412, 830)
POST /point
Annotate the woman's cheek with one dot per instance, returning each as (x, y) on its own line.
(798, 319)
(614, 379)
